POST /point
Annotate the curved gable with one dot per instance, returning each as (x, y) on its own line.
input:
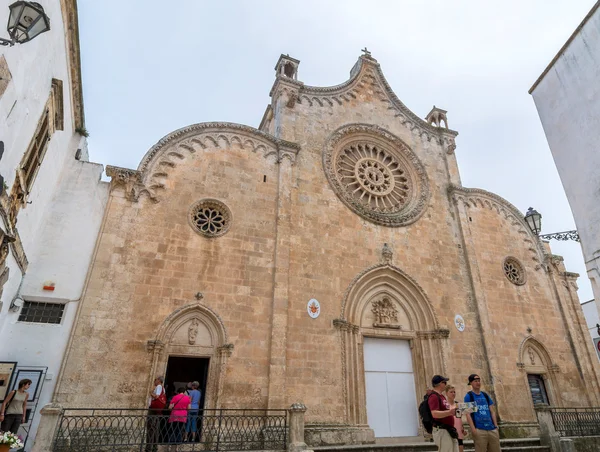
(367, 73)
(172, 149)
(478, 198)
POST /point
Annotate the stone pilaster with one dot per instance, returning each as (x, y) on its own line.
(280, 303)
(51, 416)
(296, 428)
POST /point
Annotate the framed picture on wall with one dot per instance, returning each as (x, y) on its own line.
(7, 373)
(35, 375)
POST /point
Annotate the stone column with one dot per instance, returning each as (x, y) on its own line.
(296, 428)
(548, 435)
(567, 445)
(280, 303)
(51, 415)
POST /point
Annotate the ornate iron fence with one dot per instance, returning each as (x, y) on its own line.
(86, 430)
(576, 421)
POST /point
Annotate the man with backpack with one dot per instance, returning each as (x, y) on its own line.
(483, 423)
(438, 416)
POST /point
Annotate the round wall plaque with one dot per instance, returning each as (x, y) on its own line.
(314, 308)
(459, 322)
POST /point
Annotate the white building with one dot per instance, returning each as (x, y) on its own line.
(52, 204)
(593, 323)
(567, 97)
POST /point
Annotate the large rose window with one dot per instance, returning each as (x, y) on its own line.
(376, 175)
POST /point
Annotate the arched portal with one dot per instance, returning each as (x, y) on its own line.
(539, 373)
(193, 331)
(383, 302)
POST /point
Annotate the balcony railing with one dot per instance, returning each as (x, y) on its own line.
(576, 421)
(86, 430)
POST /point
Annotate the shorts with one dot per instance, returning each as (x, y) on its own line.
(460, 442)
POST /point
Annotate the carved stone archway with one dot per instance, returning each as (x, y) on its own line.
(196, 331)
(384, 302)
(534, 359)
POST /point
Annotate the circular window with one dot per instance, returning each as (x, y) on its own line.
(514, 271)
(210, 217)
(376, 175)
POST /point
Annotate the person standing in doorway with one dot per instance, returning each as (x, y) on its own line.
(158, 402)
(180, 405)
(483, 423)
(14, 408)
(443, 416)
(458, 425)
(192, 421)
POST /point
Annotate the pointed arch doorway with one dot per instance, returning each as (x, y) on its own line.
(191, 344)
(391, 347)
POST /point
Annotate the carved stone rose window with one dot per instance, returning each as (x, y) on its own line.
(210, 218)
(376, 175)
(514, 271)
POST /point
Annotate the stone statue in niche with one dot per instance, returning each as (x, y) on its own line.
(193, 331)
(386, 314)
(531, 356)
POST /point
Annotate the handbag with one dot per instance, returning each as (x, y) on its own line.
(160, 402)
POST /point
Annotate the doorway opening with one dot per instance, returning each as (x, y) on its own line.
(182, 370)
(390, 388)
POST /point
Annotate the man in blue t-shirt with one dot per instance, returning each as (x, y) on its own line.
(483, 424)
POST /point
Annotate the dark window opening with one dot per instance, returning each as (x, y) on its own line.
(537, 387)
(41, 312)
(289, 70)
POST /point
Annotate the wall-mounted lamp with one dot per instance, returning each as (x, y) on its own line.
(26, 21)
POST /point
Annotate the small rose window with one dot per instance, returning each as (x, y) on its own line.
(514, 271)
(210, 217)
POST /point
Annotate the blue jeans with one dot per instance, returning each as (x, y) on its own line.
(192, 421)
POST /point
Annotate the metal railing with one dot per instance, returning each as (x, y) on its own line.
(576, 421)
(89, 430)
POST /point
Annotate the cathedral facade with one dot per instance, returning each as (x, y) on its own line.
(330, 257)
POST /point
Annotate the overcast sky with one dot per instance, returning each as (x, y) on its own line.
(151, 67)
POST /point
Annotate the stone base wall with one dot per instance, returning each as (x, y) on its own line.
(586, 444)
(519, 430)
(335, 434)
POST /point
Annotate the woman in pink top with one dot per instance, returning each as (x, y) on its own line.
(458, 425)
(180, 404)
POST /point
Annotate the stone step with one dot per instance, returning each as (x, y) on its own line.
(511, 443)
(507, 445)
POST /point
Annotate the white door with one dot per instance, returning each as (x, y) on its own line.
(391, 399)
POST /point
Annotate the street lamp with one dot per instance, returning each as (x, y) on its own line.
(534, 220)
(25, 22)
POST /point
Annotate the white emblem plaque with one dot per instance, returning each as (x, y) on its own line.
(314, 308)
(459, 322)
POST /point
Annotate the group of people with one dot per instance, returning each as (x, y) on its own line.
(182, 423)
(448, 428)
(13, 412)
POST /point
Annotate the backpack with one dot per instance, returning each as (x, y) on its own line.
(425, 413)
(472, 399)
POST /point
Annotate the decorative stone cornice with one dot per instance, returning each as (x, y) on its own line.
(131, 182)
(478, 198)
(155, 345)
(440, 333)
(210, 131)
(344, 325)
(225, 350)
